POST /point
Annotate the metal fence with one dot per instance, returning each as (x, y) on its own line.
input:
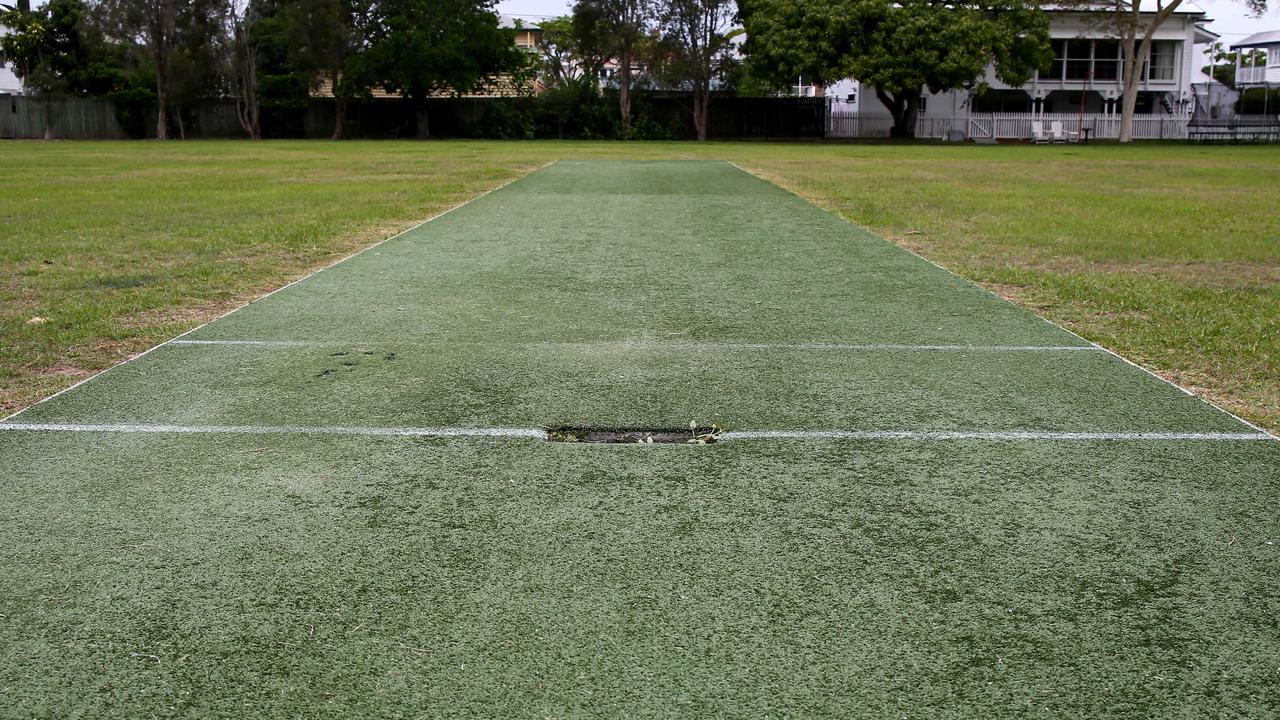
(25, 117)
(1010, 126)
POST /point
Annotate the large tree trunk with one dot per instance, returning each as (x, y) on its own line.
(905, 108)
(701, 110)
(1135, 54)
(339, 114)
(1129, 96)
(161, 26)
(339, 104)
(162, 110)
(47, 104)
(424, 124)
(624, 89)
(247, 105)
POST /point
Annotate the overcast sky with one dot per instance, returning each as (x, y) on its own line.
(1229, 18)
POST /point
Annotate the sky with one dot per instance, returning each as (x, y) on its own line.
(1230, 20)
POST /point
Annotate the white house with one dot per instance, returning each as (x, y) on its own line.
(1265, 69)
(1086, 73)
(9, 83)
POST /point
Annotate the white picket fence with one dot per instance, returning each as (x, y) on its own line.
(1010, 126)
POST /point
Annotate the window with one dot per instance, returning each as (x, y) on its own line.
(1162, 60)
(1273, 56)
(924, 104)
(1084, 60)
(1078, 59)
(852, 98)
(1059, 61)
(1106, 60)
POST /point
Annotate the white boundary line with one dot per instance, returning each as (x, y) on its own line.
(889, 346)
(280, 289)
(1126, 360)
(668, 344)
(278, 430)
(982, 435)
(540, 434)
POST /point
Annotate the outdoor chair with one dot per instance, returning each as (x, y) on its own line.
(1038, 135)
(1055, 128)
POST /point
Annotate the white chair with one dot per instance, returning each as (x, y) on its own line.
(1038, 135)
(1055, 129)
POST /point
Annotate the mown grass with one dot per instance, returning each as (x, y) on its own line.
(1169, 254)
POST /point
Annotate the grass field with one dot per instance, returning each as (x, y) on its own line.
(338, 502)
(1166, 254)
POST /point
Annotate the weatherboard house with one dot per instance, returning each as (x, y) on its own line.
(1086, 75)
(9, 82)
(1258, 68)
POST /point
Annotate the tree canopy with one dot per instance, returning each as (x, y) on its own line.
(418, 48)
(900, 47)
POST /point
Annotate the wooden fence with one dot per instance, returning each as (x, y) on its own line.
(71, 118)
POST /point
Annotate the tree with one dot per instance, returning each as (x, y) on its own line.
(1224, 62)
(175, 37)
(325, 45)
(623, 25)
(900, 47)
(419, 48)
(1136, 30)
(695, 36)
(44, 46)
(556, 46)
(573, 48)
(242, 61)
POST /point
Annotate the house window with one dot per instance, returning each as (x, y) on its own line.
(924, 104)
(1059, 60)
(1079, 58)
(1273, 56)
(852, 98)
(1083, 60)
(1106, 60)
(1162, 60)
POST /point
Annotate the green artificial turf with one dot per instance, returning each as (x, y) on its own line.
(1165, 253)
(291, 575)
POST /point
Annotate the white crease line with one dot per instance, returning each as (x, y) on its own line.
(259, 343)
(279, 430)
(540, 434)
(279, 289)
(978, 435)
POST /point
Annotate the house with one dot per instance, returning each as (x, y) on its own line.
(1258, 68)
(1086, 73)
(9, 82)
(527, 34)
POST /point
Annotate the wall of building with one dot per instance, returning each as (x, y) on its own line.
(9, 82)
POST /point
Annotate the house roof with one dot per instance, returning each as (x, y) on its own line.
(1205, 35)
(1146, 6)
(1262, 39)
(510, 21)
(1186, 8)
